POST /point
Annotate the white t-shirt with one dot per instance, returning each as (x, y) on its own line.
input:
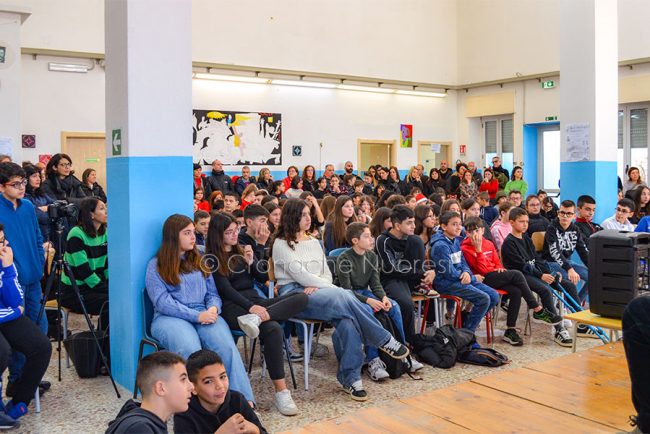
(611, 223)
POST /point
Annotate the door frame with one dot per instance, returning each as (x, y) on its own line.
(392, 155)
(447, 144)
(65, 135)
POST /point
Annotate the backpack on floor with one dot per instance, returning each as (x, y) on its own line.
(484, 357)
(395, 368)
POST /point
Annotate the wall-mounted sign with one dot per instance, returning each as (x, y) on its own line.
(3, 54)
(463, 149)
(296, 150)
(550, 84)
(550, 118)
(116, 142)
(435, 147)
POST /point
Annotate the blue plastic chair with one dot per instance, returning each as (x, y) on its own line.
(336, 252)
(147, 339)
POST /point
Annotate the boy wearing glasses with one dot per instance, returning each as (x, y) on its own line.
(22, 230)
(619, 221)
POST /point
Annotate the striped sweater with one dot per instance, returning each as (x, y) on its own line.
(11, 295)
(87, 257)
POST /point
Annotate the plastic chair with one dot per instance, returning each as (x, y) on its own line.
(147, 339)
(422, 313)
(528, 328)
(337, 252)
(538, 240)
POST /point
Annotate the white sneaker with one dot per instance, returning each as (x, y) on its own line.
(250, 325)
(415, 365)
(377, 369)
(284, 403)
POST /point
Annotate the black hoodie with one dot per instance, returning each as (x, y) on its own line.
(133, 419)
(199, 420)
(401, 259)
(559, 244)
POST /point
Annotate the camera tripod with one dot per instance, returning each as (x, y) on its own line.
(60, 266)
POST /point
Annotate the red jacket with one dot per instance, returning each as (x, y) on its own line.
(492, 188)
(484, 262)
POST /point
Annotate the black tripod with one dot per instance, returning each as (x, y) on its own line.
(60, 266)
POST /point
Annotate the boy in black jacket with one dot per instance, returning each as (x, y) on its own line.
(213, 407)
(585, 219)
(518, 253)
(162, 380)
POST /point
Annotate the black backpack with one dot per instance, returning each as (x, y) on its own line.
(395, 368)
(484, 357)
(442, 349)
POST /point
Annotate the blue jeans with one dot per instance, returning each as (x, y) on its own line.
(582, 271)
(355, 326)
(395, 314)
(33, 296)
(184, 338)
(480, 295)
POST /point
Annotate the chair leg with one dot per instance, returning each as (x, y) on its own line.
(424, 313)
(307, 352)
(293, 374)
(135, 383)
(245, 347)
(37, 401)
(250, 363)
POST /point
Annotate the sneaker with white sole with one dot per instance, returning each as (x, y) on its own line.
(284, 403)
(250, 325)
(395, 349)
(586, 332)
(356, 391)
(563, 338)
(415, 365)
(377, 369)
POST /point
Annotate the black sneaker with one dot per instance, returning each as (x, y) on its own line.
(512, 337)
(563, 338)
(505, 302)
(585, 332)
(544, 316)
(43, 387)
(395, 349)
(7, 422)
(356, 391)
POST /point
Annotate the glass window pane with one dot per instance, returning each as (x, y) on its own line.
(490, 137)
(620, 163)
(639, 128)
(551, 143)
(639, 158)
(507, 161)
(621, 118)
(507, 141)
(488, 158)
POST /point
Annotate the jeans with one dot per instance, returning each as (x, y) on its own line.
(400, 291)
(582, 272)
(184, 338)
(355, 326)
(33, 296)
(395, 314)
(481, 296)
(636, 339)
(22, 335)
(514, 283)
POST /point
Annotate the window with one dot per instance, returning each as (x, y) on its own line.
(633, 139)
(499, 140)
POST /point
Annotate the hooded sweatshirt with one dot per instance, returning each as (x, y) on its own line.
(401, 259)
(448, 260)
(483, 262)
(559, 244)
(133, 419)
(500, 231)
(199, 420)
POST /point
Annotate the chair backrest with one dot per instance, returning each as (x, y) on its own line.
(147, 314)
(336, 252)
(538, 240)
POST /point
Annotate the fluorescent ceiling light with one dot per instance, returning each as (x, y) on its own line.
(365, 88)
(238, 78)
(68, 67)
(303, 83)
(420, 93)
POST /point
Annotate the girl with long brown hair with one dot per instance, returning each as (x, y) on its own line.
(337, 223)
(187, 306)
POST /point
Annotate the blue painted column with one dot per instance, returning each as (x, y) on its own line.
(149, 148)
(589, 101)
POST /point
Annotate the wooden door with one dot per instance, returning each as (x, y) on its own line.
(371, 152)
(88, 151)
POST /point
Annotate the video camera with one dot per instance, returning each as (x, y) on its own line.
(61, 209)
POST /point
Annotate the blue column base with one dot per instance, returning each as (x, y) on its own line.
(143, 192)
(595, 178)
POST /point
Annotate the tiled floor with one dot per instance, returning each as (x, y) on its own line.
(87, 405)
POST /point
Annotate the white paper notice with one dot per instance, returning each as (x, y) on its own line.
(435, 147)
(577, 142)
(6, 145)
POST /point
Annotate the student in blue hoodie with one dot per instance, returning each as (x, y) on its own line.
(22, 230)
(453, 275)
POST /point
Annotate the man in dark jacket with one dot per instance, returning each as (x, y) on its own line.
(585, 217)
(218, 180)
(166, 389)
(498, 168)
(213, 405)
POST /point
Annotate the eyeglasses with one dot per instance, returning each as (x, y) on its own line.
(566, 213)
(65, 165)
(230, 232)
(18, 184)
(626, 211)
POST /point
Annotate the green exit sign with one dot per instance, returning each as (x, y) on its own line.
(550, 84)
(550, 118)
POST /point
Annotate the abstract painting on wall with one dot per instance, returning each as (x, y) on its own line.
(237, 138)
(406, 135)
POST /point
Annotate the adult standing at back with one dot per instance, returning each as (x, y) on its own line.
(633, 180)
(517, 182)
(90, 186)
(218, 180)
(60, 182)
(498, 168)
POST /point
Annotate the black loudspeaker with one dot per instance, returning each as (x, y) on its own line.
(618, 270)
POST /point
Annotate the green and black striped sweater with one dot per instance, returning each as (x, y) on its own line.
(87, 257)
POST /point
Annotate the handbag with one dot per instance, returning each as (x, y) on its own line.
(84, 353)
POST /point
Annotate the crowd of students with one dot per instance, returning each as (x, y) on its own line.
(463, 233)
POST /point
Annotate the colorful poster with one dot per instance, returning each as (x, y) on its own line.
(237, 138)
(44, 158)
(406, 135)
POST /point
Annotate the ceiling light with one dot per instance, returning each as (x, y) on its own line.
(365, 88)
(219, 77)
(68, 67)
(421, 93)
(303, 83)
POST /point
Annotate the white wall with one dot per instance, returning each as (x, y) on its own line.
(56, 101)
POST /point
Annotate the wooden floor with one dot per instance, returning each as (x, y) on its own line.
(585, 392)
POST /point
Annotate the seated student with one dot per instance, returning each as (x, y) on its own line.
(549, 207)
(201, 224)
(644, 225)
(243, 307)
(514, 197)
(166, 390)
(471, 208)
(501, 227)
(488, 212)
(483, 260)
(259, 196)
(321, 191)
(18, 333)
(537, 222)
(256, 232)
(619, 221)
(518, 253)
(584, 220)
(453, 275)
(562, 238)
(358, 270)
(239, 217)
(300, 266)
(186, 303)
(230, 201)
(337, 222)
(296, 187)
(369, 184)
(214, 407)
(402, 264)
(86, 252)
(199, 200)
(248, 195)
